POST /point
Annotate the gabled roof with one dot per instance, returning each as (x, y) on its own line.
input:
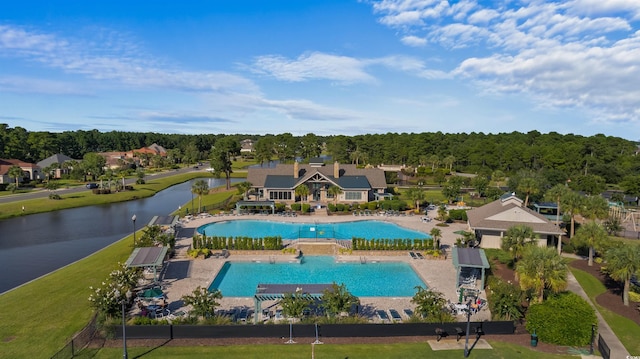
(5, 164)
(350, 176)
(504, 213)
(58, 158)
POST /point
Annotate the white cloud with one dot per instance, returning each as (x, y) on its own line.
(581, 53)
(313, 66)
(414, 41)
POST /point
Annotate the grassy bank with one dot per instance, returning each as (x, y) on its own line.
(87, 198)
(625, 329)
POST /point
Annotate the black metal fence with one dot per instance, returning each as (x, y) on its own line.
(603, 348)
(79, 341)
(169, 332)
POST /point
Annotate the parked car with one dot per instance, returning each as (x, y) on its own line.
(92, 185)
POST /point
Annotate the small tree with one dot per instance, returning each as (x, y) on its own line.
(436, 234)
(335, 191)
(243, 188)
(203, 302)
(623, 263)
(592, 235)
(337, 299)
(200, 188)
(516, 238)
(302, 191)
(431, 305)
(416, 195)
(294, 304)
(16, 173)
(542, 269)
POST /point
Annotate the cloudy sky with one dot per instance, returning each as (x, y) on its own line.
(325, 66)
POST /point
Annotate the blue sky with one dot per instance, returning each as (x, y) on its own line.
(326, 67)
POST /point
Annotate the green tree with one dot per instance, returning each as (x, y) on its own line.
(572, 204)
(595, 207)
(435, 161)
(453, 188)
(498, 176)
(516, 239)
(623, 262)
(337, 299)
(557, 193)
(334, 191)
(529, 186)
(294, 304)
(592, 235)
(16, 173)
(93, 165)
(264, 150)
(436, 235)
(480, 183)
(243, 188)
(222, 155)
(449, 161)
(416, 195)
(203, 302)
(200, 188)
(302, 191)
(431, 305)
(542, 269)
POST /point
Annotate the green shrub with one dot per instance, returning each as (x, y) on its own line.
(564, 319)
(505, 299)
(295, 206)
(500, 255)
(306, 208)
(458, 214)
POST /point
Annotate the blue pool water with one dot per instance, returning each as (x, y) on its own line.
(383, 279)
(347, 230)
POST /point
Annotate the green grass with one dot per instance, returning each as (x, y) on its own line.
(87, 198)
(325, 351)
(625, 329)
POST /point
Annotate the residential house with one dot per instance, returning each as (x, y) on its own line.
(58, 159)
(31, 171)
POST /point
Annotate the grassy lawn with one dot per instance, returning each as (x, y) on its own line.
(87, 198)
(625, 329)
(303, 350)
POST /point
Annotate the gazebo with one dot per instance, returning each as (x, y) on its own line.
(277, 291)
(469, 258)
(148, 257)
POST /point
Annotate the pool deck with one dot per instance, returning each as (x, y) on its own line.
(182, 275)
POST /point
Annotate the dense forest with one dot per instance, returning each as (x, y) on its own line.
(556, 157)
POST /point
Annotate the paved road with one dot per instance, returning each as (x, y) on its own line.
(41, 193)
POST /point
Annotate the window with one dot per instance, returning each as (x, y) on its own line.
(281, 195)
(352, 196)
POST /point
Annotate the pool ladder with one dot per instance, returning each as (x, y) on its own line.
(363, 260)
(272, 259)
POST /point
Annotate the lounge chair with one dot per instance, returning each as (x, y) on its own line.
(408, 312)
(419, 255)
(244, 314)
(413, 255)
(395, 315)
(382, 315)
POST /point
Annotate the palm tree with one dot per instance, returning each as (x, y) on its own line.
(435, 160)
(243, 188)
(557, 193)
(540, 269)
(530, 186)
(572, 203)
(417, 195)
(16, 173)
(200, 188)
(449, 161)
(623, 263)
(335, 191)
(436, 234)
(302, 191)
(516, 238)
(595, 207)
(593, 235)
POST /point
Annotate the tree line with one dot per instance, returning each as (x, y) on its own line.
(594, 160)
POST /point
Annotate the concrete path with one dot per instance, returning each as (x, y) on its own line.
(615, 345)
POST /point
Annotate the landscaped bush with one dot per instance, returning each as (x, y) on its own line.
(505, 299)
(564, 319)
(394, 205)
(372, 206)
(295, 206)
(458, 214)
(305, 207)
(390, 244)
(500, 255)
(331, 207)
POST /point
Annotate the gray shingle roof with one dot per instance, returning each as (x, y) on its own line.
(350, 176)
(502, 214)
(57, 158)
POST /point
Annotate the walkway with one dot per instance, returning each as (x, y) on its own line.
(615, 345)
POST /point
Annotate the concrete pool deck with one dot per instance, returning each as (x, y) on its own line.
(182, 275)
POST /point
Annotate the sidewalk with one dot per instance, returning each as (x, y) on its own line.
(617, 350)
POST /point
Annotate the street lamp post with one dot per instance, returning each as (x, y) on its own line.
(133, 219)
(466, 342)
(128, 294)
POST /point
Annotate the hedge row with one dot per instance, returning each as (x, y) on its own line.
(240, 243)
(391, 244)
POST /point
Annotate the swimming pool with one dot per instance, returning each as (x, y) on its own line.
(346, 230)
(382, 279)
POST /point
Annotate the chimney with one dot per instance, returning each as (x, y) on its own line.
(295, 169)
(336, 169)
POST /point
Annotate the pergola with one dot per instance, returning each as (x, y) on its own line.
(278, 291)
(469, 258)
(270, 204)
(148, 257)
(164, 221)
